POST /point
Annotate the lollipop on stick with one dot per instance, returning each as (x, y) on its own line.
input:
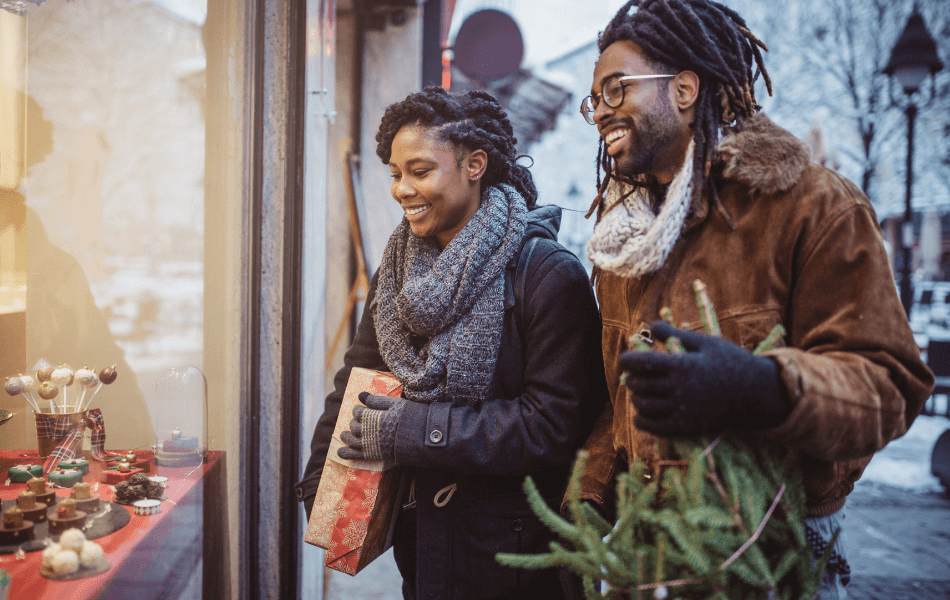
(31, 385)
(106, 376)
(48, 391)
(86, 379)
(61, 378)
(44, 374)
(14, 386)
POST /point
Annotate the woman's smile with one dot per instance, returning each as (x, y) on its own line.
(412, 211)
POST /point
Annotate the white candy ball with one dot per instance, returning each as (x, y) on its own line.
(50, 553)
(61, 376)
(90, 555)
(86, 377)
(14, 386)
(72, 539)
(66, 561)
(30, 383)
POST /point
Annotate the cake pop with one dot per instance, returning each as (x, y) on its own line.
(86, 379)
(31, 386)
(106, 376)
(44, 374)
(14, 386)
(62, 377)
(48, 391)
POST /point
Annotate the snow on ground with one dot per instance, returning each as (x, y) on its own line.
(905, 462)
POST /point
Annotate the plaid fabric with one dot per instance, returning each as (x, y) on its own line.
(69, 434)
(99, 436)
(59, 427)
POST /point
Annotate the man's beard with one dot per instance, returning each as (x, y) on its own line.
(651, 144)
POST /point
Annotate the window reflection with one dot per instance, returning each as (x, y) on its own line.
(103, 226)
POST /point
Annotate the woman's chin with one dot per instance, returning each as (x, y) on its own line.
(420, 230)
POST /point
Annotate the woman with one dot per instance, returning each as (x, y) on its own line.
(492, 330)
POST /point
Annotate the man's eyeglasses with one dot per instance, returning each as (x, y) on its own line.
(612, 93)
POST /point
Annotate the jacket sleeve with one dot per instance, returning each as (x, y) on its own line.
(364, 352)
(853, 370)
(563, 392)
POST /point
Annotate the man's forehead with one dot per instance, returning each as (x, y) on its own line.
(623, 57)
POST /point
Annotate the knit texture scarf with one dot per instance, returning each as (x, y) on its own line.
(439, 315)
(629, 239)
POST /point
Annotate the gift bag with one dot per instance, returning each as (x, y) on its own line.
(355, 508)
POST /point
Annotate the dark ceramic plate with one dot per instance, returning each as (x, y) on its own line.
(109, 518)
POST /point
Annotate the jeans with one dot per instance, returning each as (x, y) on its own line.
(832, 583)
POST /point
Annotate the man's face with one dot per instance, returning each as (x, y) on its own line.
(644, 133)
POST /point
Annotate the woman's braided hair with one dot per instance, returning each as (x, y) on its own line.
(711, 40)
(474, 121)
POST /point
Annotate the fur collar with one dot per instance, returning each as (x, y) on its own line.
(763, 156)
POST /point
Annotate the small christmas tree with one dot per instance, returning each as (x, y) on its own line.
(726, 523)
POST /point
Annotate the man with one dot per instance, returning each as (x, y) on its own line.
(699, 185)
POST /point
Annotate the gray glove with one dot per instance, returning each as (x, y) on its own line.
(372, 434)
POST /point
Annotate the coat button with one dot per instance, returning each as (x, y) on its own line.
(517, 525)
(436, 436)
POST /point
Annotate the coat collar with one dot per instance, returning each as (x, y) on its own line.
(761, 156)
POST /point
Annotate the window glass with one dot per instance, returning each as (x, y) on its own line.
(111, 240)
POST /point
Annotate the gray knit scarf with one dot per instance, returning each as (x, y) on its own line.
(439, 315)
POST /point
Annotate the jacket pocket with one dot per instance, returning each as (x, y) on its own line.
(749, 327)
(506, 524)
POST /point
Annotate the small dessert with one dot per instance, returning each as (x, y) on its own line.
(85, 500)
(127, 493)
(86, 377)
(75, 463)
(135, 461)
(61, 376)
(72, 539)
(48, 391)
(66, 517)
(180, 444)
(90, 554)
(23, 473)
(67, 561)
(32, 510)
(108, 375)
(146, 507)
(65, 478)
(14, 386)
(37, 485)
(15, 528)
(121, 472)
(44, 374)
(72, 553)
(178, 451)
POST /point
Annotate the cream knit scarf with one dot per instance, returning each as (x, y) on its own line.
(629, 239)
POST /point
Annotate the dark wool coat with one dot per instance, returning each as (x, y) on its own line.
(548, 387)
(806, 252)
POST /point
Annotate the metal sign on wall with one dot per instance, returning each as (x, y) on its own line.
(488, 45)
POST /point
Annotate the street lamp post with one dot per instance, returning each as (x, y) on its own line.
(912, 59)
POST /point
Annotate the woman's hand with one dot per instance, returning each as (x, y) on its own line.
(372, 434)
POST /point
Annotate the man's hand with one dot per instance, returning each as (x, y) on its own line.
(372, 434)
(715, 386)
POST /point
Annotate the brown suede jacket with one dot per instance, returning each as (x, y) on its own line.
(806, 252)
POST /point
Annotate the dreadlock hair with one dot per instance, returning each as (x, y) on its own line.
(473, 121)
(711, 40)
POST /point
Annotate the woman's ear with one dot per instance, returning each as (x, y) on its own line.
(475, 164)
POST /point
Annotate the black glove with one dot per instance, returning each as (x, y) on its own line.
(716, 385)
(372, 434)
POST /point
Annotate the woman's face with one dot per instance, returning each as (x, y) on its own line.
(437, 186)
